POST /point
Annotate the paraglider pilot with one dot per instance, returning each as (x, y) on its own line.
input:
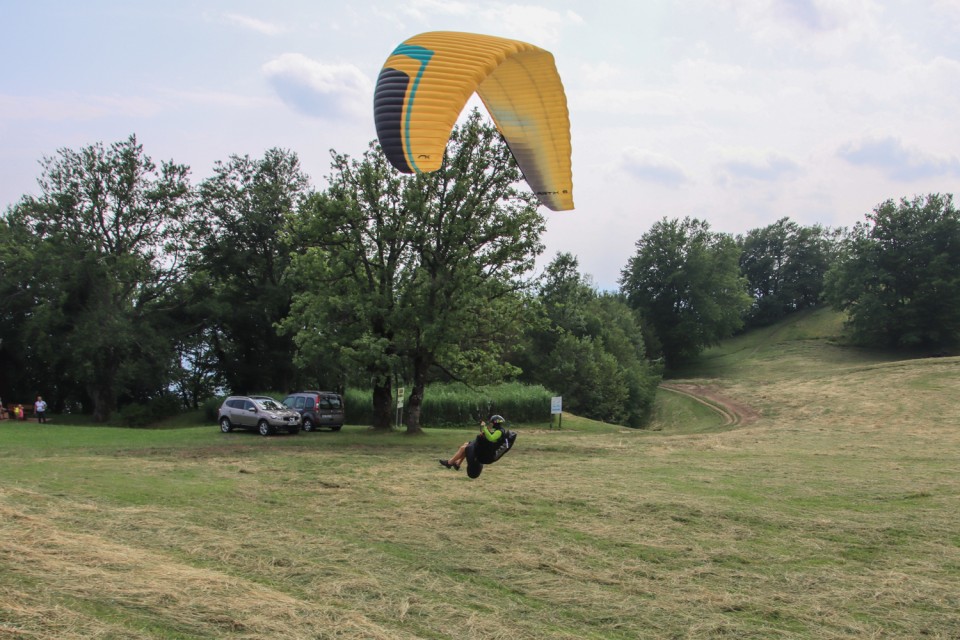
(488, 447)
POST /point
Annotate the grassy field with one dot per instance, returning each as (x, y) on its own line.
(832, 515)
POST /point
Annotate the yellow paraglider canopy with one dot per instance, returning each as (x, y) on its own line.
(427, 80)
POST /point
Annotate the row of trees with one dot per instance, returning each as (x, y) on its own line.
(896, 276)
(122, 283)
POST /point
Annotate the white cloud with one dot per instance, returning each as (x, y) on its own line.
(538, 25)
(254, 24)
(424, 9)
(76, 107)
(318, 89)
(652, 167)
(897, 160)
(823, 26)
(761, 166)
(628, 101)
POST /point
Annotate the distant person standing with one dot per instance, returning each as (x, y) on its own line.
(40, 408)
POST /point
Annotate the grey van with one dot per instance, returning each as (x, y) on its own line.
(317, 409)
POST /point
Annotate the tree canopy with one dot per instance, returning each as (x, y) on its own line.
(685, 281)
(899, 280)
(589, 346)
(97, 252)
(124, 285)
(785, 265)
(242, 248)
(413, 276)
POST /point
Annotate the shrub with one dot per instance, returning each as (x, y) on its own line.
(143, 415)
(211, 408)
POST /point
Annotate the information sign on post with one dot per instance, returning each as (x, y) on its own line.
(556, 409)
(399, 405)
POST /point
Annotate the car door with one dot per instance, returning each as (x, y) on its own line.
(310, 409)
(335, 410)
(248, 415)
(325, 411)
(234, 411)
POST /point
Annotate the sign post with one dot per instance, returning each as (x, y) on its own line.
(399, 406)
(556, 409)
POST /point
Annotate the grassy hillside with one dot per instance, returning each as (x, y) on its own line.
(831, 514)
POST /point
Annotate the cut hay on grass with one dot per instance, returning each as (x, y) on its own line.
(831, 515)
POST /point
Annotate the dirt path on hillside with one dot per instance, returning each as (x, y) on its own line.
(733, 412)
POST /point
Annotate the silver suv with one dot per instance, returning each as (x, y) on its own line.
(264, 414)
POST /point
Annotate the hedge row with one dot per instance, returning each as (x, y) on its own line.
(455, 405)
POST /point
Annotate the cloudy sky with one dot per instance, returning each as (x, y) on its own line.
(738, 112)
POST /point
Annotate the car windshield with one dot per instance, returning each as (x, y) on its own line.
(270, 405)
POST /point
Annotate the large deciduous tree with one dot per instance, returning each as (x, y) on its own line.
(243, 249)
(685, 281)
(357, 258)
(899, 281)
(785, 265)
(106, 244)
(409, 275)
(590, 348)
(478, 236)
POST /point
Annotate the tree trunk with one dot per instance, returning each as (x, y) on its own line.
(415, 404)
(102, 388)
(101, 393)
(383, 405)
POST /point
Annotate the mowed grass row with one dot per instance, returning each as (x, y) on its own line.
(832, 516)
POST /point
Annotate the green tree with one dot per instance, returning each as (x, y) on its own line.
(24, 281)
(785, 265)
(478, 237)
(106, 244)
(242, 249)
(409, 276)
(685, 281)
(589, 347)
(899, 281)
(356, 260)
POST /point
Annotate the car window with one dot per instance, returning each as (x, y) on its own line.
(290, 402)
(333, 402)
(249, 406)
(310, 403)
(300, 401)
(271, 405)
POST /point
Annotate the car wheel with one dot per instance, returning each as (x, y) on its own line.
(225, 425)
(307, 424)
(264, 428)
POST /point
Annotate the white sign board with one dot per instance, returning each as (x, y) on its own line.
(556, 405)
(399, 397)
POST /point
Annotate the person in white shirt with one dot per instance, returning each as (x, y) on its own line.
(40, 408)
